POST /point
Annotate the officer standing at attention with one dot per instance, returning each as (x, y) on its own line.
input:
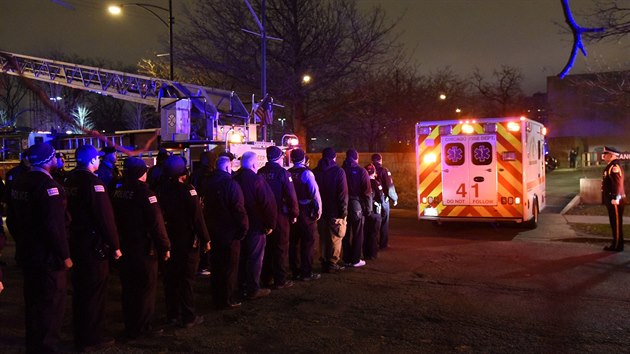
(59, 174)
(304, 231)
(333, 188)
(277, 248)
(227, 222)
(143, 239)
(384, 177)
(39, 225)
(187, 232)
(108, 171)
(93, 240)
(261, 212)
(359, 207)
(373, 221)
(614, 197)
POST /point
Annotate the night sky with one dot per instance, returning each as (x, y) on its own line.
(463, 34)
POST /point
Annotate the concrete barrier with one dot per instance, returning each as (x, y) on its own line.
(591, 190)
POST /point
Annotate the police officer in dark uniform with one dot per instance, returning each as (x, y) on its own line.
(333, 188)
(154, 175)
(59, 174)
(187, 232)
(359, 207)
(261, 212)
(384, 177)
(304, 231)
(614, 197)
(277, 248)
(227, 222)
(37, 211)
(373, 221)
(93, 241)
(107, 171)
(143, 239)
(198, 178)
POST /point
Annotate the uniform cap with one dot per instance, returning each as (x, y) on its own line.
(174, 166)
(40, 154)
(297, 155)
(85, 153)
(329, 153)
(611, 150)
(352, 154)
(228, 154)
(108, 150)
(134, 168)
(273, 153)
(377, 157)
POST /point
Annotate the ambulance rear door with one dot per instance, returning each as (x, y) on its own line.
(469, 170)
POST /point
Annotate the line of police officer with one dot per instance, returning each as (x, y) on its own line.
(75, 226)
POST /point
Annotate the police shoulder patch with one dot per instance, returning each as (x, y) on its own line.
(193, 192)
(290, 179)
(616, 169)
(152, 199)
(99, 188)
(52, 191)
(380, 187)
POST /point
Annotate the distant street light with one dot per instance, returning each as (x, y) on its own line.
(306, 79)
(117, 10)
(442, 96)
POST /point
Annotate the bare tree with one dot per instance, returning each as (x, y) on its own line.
(613, 16)
(504, 94)
(11, 96)
(330, 40)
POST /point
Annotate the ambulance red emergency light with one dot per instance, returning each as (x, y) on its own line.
(489, 169)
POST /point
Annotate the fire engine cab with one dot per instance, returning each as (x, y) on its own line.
(490, 169)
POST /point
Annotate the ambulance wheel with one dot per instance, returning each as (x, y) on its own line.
(533, 222)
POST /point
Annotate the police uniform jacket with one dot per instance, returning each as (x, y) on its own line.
(38, 216)
(612, 182)
(385, 178)
(183, 216)
(282, 186)
(378, 197)
(307, 190)
(224, 209)
(93, 225)
(139, 219)
(333, 188)
(359, 189)
(259, 200)
(110, 175)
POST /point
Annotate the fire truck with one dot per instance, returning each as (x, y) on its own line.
(489, 169)
(194, 118)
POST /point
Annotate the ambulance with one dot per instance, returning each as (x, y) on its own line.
(488, 169)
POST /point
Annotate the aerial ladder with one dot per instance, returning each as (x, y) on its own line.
(217, 112)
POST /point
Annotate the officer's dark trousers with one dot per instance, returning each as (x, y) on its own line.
(353, 241)
(179, 276)
(384, 233)
(250, 266)
(302, 244)
(372, 229)
(615, 215)
(138, 277)
(44, 302)
(89, 289)
(224, 279)
(276, 253)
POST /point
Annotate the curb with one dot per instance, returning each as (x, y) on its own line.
(575, 201)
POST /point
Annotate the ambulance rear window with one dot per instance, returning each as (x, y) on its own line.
(481, 153)
(454, 154)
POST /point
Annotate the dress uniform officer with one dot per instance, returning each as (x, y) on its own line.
(333, 189)
(373, 221)
(143, 239)
(304, 231)
(384, 177)
(37, 210)
(187, 232)
(277, 248)
(614, 197)
(359, 207)
(227, 222)
(93, 241)
(261, 212)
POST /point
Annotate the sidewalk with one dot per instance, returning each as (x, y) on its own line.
(591, 219)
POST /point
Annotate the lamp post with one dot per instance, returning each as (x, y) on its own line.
(117, 10)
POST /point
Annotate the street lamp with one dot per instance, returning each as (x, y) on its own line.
(117, 10)
(306, 79)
